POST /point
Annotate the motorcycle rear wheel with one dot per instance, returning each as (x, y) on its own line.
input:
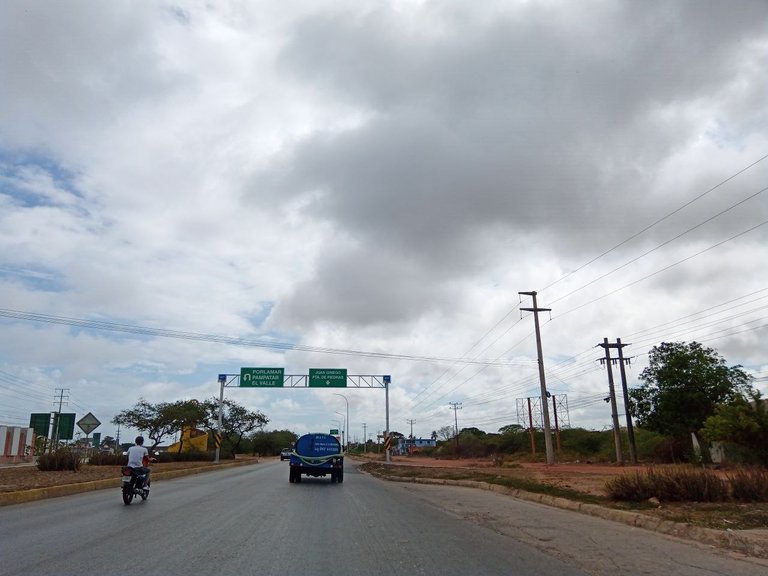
(127, 494)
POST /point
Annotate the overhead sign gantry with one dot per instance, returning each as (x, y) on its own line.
(316, 378)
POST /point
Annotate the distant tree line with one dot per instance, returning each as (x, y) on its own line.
(242, 429)
(686, 389)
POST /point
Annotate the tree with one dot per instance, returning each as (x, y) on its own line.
(682, 386)
(272, 442)
(511, 429)
(109, 442)
(184, 414)
(237, 421)
(446, 433)
(742, 421)
(162, 419)
(147, 418)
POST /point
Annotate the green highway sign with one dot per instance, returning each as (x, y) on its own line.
(64, 426)
(41, 423)
(327, 377)
(334, 431)
(262, 377)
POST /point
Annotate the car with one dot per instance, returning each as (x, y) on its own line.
(285, 454)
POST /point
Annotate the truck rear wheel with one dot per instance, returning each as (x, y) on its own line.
(340, 476)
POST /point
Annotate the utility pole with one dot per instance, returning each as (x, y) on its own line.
(365, 438)
(413, 440)
(456, 406)
(542, 379)
(57, 419)
(614, 410)
(630, 428)
(557, 427)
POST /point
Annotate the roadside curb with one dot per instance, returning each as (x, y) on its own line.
(22, 496)
(745, 542)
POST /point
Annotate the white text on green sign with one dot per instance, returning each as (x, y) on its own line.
(261, 377)
(328, 377)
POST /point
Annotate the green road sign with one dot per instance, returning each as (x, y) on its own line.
(65, 425)
(327, 377)
(261, 377)
(41, 423)
(334, 432)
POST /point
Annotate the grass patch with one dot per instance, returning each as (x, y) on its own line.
(685, 484)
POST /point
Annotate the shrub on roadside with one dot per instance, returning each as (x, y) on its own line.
(107, 459)
(61, 459)
(191, 456)
(749, 484)
(690, 485)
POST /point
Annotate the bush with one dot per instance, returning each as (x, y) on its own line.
(634, 487)
(669, 485)
(61, 459)
(107, 459)
(191, 456)
(749, 484)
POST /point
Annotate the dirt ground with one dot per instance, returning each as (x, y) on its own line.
(581, 477)
(25, 477)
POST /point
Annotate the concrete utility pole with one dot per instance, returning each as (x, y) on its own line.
(630, 428)
(365, 438)
(614, 409)
(57, 432)
(455, 406)
(413, 440)
(542, 379)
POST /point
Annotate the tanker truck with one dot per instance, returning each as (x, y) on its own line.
(317, 455)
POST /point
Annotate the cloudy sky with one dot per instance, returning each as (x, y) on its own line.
(191, 187)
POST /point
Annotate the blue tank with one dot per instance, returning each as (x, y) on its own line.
(317, 455)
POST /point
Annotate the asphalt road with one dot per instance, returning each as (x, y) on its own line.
(250, 520)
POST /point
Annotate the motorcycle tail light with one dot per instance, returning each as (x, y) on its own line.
(126, 471)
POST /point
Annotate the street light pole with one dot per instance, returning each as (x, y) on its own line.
(343, 430)
(346, 421)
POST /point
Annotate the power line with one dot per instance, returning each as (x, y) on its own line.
(659, 246)
(664, 269)
(193, 336)
(657, 222)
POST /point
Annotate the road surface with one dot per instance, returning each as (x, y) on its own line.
(251, 520)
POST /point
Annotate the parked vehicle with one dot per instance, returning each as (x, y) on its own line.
(285, 454)
(317, 455)
(135, 483)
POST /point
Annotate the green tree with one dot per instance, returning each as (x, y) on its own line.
(183, 414)
(147, 418)
(109, 442)
(681, 387)
(270, 443)
(237, 421)
(160, 420)
(744, 422)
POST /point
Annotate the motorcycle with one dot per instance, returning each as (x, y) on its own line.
(135, 483)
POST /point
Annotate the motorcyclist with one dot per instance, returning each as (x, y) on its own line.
(138, 459)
